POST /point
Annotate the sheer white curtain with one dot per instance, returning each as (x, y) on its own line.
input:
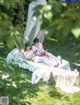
(33, 25)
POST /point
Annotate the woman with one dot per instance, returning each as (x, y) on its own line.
(30, 55)
(38, 48)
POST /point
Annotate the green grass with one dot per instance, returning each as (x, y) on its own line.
(21, 91)
(69, 50)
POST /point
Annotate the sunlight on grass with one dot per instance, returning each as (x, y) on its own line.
(52, 39)
(20, 90)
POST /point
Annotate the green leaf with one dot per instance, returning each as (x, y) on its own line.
(76, 32)
(18, 42)
(71, 13)
(66, 29)
(10, 42)
(1, 85)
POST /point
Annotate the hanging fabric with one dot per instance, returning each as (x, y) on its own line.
(33, 26)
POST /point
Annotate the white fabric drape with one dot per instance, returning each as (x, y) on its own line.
(33, 25)
(65, 77)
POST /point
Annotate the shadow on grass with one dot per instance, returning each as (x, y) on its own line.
(57, 93)
(19, 86)
(54, 92)
(68, 50)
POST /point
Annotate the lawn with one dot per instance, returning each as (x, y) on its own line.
(21, 91)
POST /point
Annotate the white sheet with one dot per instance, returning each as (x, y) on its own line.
(43, 71)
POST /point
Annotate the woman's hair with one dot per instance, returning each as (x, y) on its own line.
(26, 45)
(36, 40)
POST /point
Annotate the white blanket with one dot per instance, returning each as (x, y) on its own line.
(43, 71)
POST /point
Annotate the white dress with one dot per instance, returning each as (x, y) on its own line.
(39, 59)
(51, 60)
(38, 49)
(28, 54)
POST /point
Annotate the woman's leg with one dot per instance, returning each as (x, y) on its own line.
(49, 62)
(45, 60)
(54, 58)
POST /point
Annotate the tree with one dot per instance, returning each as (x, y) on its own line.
(60, 19)
(11, 33)
(12, 22)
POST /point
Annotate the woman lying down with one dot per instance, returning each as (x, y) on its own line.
(41, 57)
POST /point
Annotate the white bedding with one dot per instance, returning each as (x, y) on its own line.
(43, 71)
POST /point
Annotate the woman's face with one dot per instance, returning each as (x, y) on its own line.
(37, 44)
(28, 48)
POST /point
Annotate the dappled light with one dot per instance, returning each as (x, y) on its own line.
(59, 25)
(76, 32)
(69, 49)
(18, 85)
